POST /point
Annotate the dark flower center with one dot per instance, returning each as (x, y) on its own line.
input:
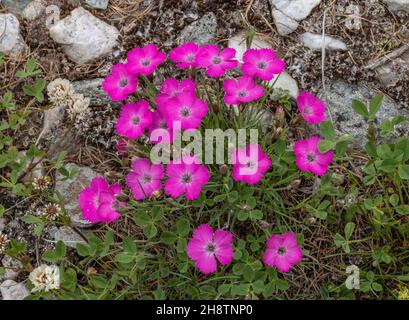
(185, 112)
(146, 178)
(242, 93)
(136, 120)
(190, 58)
(217, 60)
(311, 157)
(308, 110)
(262, 65)
(163, 125)
(123, 83)
(251, 164)
(186, 178)
(281, 251)
(211, 248)
(145, 62)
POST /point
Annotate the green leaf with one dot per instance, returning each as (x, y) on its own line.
(168, 237)
(150, 230)
(403, 209)
(142, 218)
(242, 215)
(82, 250)
(349, 229)
(183, 227)
(31, 219)
(326, 145)
(124, 258)
(129, 245)
(69, 279)
(256, 214)
(404, 172)
(360, 108)
(36, 90)
(327, 130)
(55, 255)
(339, 240)
(375, 105)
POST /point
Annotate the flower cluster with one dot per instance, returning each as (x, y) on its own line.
(98, 201)
(162, 115)
(308, 157)
(45, 278)
(51, 211)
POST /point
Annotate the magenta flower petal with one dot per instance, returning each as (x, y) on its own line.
(185, 55)
(241, 91)
(205, 246)
(134, 119)
(282, 252)
(311, 108)
(144, 179)
(215, 62)
(262, 63)
(308, 158)
(120, 83)
(145, 60)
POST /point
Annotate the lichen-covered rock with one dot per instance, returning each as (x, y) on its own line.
(92, 88)
(12, 268)
(11, 41)
(84, 37)
(68, 236)
(33, 10)
(70, 189)
(285, 82)
(98, 4)
(315, 42)
(11, 290)
(15, 7)
(347, 121)
(202, 31)
(397, 5)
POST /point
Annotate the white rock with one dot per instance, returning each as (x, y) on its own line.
(238, 42)
(11, 290)
(287, 13)
(285, 25)
(315, 41)
(84, 37)
(286, 82)
(98, 4)
(396, 5)
(11, 42)
(33, 10)
(69, 237)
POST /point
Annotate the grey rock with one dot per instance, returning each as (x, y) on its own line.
(12, 267)
(3, 222)
(11, 41)
(33, 10)
(397, 5)
(238, 42)
(52, 118)
(98, 4)
(11, 290)
(68, 236)
(83, 37)
(285, 83)
(347, 121)
(70, 189)
(315, 42)
(15, 7)
(202, 31)
(393, 67)
(92, 88)
(288, 13)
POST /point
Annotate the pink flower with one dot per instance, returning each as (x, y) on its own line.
(261, 63)
(185, 55)
(308, 157)
(171, 88)
(312, 109)
(145, 60)
(206, 247)
(187, 109)
(133, 120)
(243, 90)
(186, 177)
(159, 132)
(97, 202)
(215, 62)
(144, 179)
(120, 83)
(250, 163)
(282, 251)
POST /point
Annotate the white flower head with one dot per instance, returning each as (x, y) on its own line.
(45, 278)
(60, 91)
(3, 242)
(78, 106)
